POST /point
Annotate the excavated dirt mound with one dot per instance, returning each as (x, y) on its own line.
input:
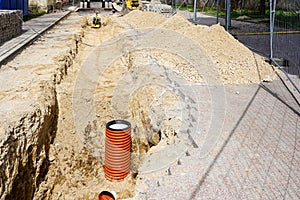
(236, 63)
(140, 19)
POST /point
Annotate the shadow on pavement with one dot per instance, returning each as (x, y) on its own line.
(272, 108)
(194, 193)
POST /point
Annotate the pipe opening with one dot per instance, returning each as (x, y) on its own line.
(106, 195)
(118, 125)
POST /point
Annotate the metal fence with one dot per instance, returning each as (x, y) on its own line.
(276, 37)
(285, 40)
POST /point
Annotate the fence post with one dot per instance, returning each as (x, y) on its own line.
(272, 20)
(195, 11)
(228, 14)
(218, 7)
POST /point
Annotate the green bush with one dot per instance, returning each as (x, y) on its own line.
(34, 11)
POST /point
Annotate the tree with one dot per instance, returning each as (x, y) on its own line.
(262, 7)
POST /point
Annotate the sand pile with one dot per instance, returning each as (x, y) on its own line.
(236, 63)
(177, 23)
(140, 19)
(178, 64)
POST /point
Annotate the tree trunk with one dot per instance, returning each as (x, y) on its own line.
(262, 7)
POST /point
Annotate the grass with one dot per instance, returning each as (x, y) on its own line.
(289, 19)
(189, 7)
(209, 10)
(33, 12)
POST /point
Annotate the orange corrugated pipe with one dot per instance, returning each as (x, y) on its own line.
(105, 195)
(117, 150)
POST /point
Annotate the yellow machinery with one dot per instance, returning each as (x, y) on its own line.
(133, 4)
(96, 23)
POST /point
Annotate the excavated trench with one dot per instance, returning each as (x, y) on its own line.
(137, 87)
(29, 109)
(126, 90)
(145, 76)
(141, 86)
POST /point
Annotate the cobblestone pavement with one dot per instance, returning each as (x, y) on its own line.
(30, 30)
(256, 156)
(260, 158)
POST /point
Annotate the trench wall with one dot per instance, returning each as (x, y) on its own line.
(29, 113)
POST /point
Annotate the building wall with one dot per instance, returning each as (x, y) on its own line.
(15, 5)
(10, 24)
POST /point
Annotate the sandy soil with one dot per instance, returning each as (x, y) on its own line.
(75, 173)
(72, 165)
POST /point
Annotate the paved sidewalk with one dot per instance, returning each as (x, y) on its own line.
(256, 156)
(30, 31)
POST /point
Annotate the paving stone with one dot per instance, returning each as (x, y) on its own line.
(24, 33)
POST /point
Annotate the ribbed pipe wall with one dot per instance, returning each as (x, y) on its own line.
(117, 150)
